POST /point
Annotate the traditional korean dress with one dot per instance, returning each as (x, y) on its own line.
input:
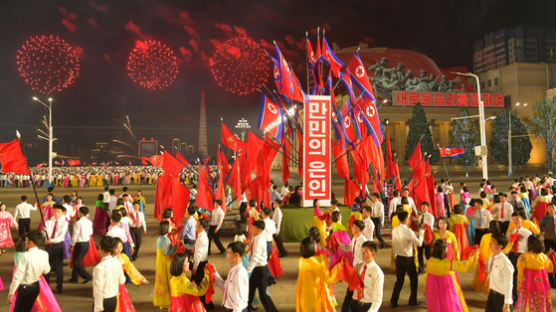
(164, 251)
(481, 274)
(442, 289)
(101, 218)
(46, 302)
(7, 221)
(124, 301)
(319, 221)
(185, 294)
(312, 290)
(526, 224)
(458, 224)
(452, 250)
(533, 287)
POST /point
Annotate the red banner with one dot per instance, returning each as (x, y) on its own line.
(446, 99)
(316, 152)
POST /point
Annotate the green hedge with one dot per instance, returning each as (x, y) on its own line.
(296, 222)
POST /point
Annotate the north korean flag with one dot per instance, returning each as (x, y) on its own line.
(357, 71)
(311, 56)
(282, 74)
(330, 58)
(270, 118)
(349, 126)
(451, 151)
(346, 81)
(371, 117)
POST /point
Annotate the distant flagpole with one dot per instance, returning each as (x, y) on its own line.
(444, 164)
(307, 60)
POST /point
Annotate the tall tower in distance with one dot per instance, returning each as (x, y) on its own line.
(203, 149)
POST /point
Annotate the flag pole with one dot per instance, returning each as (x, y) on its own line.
(307, 61)
(444, 164)
(32, 181)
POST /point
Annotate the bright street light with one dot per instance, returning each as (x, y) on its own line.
(50, 134)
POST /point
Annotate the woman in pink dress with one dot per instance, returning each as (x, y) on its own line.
(47, 210)
(440, 202)
(7, 221)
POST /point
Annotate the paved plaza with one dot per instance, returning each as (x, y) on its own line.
(78, 297)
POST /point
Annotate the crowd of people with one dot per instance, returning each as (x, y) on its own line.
(508, 239)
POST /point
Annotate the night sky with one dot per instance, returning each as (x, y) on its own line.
(106, 32)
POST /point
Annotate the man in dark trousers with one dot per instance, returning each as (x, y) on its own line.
(137, 229)
(215, 224)
(82, 231)
(23, 211)
(32, 264)
(55, 231)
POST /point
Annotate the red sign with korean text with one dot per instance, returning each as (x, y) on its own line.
(317, 151)
(446, 99)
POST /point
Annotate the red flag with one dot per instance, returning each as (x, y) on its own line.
(270, 118)
(231, 141)
(162, 195)
(270, 150)
(182, 159)
(311, 57)
(12, 158)
(420, 191)
(204, 191)
(171, 165)
(398, 182)
(415, 157)
(430, 189)
(371, 117)
(286, 155)
(180, 200)
(40, 165)
(351, 191)
(347, 124)
(286, 81)
(389, 161)
(155, 160)
(340, 157)
(220, 194)
(330, 58)
(357, 71)
(224, 162)
(236, 178)
(74, 162)
(300, 154)
(254, 148)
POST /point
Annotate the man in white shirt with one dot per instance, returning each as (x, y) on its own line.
(215, 224)
(108, 275)
(32, 264)
(258, 267)
(269, 230)
(200, 257)
(113, 201)
(235, 288)
(424, 251)
(285, 190)
(368, 298)
(66, 202)
(277, 218)
(117, 229)
(82, 231)
(23, 211)
(482, 219)
(394, 202)
(410, 201)
(55, 232)
(274, 194)
(503, 212)
(106, 197)
(520, 246)
(137, 228)
(127, 203)
(403, 240)
(369, 229)
(377, 216)
(500, 275)
(356, 247)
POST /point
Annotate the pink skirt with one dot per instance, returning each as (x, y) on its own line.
(441, 294)
(6, 240)
(47, 213)
(46, 302)
(100, 221)
(534, 293)
(186, 303)
(124, 301)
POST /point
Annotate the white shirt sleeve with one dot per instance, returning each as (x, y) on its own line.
(376, 297)
(76, 232)
(220, 219)
(258, 254)
(98, 288)
(18, 274)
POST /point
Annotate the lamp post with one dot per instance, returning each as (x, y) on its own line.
(481, 122)
(242, 125)
(50, 134)
(518, 105)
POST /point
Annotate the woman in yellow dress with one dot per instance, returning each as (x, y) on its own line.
(459, 224)
(452, 251)
(164, 251)
(124, 303)
(481, 275)
(313, 291)
(319, 221)
(100, 181)
(442, 289)
(184, 292)
(533, 287)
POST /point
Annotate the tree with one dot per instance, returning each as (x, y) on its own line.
(498, 146)
(419, 127)
(543, 125)
(465, 133)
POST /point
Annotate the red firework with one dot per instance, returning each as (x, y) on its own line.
(240, 65)
(152, 65)
(47, 63)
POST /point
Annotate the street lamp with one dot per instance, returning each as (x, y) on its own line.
(519, 106)
(243, 125)
(50, 134)
(481, 122)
